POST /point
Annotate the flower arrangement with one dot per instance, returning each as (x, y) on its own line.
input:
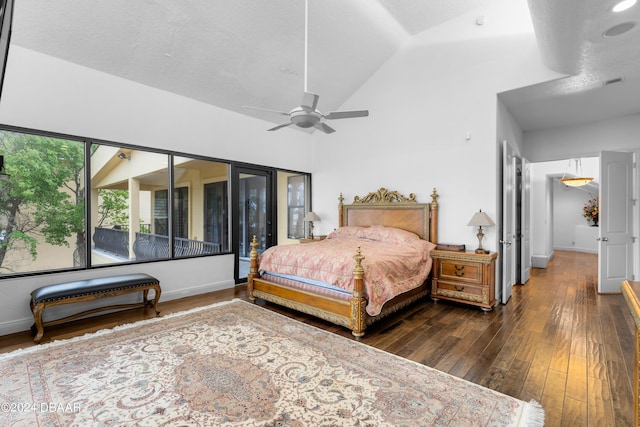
(591, 210)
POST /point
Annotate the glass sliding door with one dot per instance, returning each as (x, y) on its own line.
(253, 204)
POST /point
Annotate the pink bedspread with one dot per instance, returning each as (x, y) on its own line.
(395, 261)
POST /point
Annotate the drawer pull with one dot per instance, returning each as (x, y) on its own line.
(459, 288)
(459, 270)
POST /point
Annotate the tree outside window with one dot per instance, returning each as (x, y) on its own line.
(42, 203)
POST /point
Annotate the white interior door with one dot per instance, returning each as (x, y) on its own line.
(525, 214)
(615, 255)
(508, 221)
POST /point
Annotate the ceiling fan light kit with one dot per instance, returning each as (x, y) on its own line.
(306, 115)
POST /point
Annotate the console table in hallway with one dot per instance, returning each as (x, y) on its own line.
(631, 292)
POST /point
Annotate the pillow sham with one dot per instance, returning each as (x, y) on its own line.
(378, 233)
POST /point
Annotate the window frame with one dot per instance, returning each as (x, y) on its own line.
(88, 142)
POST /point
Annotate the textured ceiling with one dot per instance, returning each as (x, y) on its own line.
(570, 36)
(231, 53)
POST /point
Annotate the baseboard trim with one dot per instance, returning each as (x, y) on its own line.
(24, 324)
(540, 261)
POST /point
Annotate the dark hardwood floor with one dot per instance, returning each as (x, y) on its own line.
(557, 341)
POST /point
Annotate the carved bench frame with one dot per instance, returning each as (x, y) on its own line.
(83, 295)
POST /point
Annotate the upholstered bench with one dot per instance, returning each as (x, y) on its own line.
(87, 290)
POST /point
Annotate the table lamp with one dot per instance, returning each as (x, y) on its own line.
(481, 219)
(310, 217)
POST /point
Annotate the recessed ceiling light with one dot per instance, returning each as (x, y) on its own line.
(616, 30)
(623, 5)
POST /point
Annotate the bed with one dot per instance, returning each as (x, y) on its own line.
(380, 213)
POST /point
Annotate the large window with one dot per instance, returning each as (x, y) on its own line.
(296, 206)
(126, 205)
(137, 216)
(200, 207)
(42, 204)
(122, 184)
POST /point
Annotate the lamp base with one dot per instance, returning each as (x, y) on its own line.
(480, 235)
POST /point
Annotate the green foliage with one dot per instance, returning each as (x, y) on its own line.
(43, 196)
(113, 206)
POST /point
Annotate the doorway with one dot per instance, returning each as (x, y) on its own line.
(252, 200)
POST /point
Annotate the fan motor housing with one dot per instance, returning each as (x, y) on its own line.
(304, 118)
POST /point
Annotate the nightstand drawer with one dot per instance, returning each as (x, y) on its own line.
(461, 271)
(460, 291)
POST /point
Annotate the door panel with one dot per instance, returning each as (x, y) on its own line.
(252, 202)
(508, 221)
(615, 256)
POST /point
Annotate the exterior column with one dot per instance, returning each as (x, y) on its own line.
(94, 214)
(134, 213)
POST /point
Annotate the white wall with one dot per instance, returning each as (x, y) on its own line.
(423, 102)
(585, 140)
(571, 228)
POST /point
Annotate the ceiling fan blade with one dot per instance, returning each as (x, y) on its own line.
(282, 113)
(284, 125)
(324, 127)
(309, 100)
(346, 114)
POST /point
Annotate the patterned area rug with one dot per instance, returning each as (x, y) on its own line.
(237, 364)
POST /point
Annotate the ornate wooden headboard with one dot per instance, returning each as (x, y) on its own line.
(392, 209)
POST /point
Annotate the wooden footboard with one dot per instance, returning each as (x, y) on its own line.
(380, 208)
(349, 314)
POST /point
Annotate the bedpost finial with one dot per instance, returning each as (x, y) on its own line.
(434, 197)
(340, 199)
(358, 270)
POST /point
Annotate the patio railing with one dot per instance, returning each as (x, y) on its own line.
(150, 246)
(113, 240)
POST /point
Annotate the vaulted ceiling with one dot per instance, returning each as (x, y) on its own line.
(231, 53)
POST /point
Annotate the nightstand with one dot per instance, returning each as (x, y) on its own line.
(465, 277)
(315, 239)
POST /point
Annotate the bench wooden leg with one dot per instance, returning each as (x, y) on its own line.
(38, 328)
(156, 298)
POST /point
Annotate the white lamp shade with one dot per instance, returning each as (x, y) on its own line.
(481, 219)
(311, 216)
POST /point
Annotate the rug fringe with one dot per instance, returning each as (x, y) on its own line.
(533, 415)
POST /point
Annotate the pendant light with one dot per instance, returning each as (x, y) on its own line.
(578, 180)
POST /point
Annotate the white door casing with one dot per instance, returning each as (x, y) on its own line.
(508, 222)
(525, 238)
(615, 255)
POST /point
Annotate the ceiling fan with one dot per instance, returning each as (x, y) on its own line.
(306, 115)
